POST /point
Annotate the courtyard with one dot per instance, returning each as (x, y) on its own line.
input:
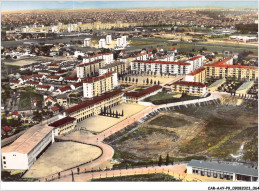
(100, 123)
(60, 156)
(155, 78)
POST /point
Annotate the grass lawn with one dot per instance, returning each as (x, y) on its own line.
(158, 96)
(168, 121)
(163, 98)
(139, 178)
(6, 176)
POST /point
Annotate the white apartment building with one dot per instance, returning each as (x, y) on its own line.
(108, 39)
(93, 87)
(196, 62)
(107, 57)
(78, 53)
(164, 67)
(102, 43)
(86, 42)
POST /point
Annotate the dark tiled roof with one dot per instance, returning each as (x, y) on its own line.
(143, 92)
(185, 83)
(62, 121)
(93, 101)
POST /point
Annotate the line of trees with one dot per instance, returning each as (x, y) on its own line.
(108, 112)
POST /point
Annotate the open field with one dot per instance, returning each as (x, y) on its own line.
(148, 141)
(215, 46)
(139, 178)
(30, 60)
(60, 156)
(100, 123)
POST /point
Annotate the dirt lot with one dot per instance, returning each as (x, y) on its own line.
(151, 140)
(162, 79)
(213, 130)
(60, 156)
(227, 128)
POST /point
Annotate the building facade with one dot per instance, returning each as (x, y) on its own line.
(89, 69)
(93, 106)
(163, 67)
(189, 88)
(64, 126)
(98, 85)
(198, 75)
(235, 172)
(22, 153)
(239, 72)
(118, 67)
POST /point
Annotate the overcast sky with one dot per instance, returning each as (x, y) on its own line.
(30, 5)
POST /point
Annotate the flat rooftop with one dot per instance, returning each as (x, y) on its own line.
(25, 143)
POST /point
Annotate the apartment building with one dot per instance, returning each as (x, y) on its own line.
(190, 88)
(107, 57)
(196, 62)
(239, 72)
(64, 125)
(89, 69)
(164, 67)
(198, 75)
(93, 106)
(98, 85)
(117, 66)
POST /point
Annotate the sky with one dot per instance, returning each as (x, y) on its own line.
(32, 5)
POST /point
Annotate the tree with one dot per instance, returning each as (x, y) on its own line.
(116, 114)
(151, 82)
(167, 159)
(80, 57)
(147, 81)
(136, 80)
(129, 79)
(160, 161)
(122, 112)
(72, 176)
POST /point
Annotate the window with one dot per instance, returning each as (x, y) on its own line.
(4, 162)
(3, 157)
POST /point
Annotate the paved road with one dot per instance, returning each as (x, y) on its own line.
(174, 170)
